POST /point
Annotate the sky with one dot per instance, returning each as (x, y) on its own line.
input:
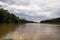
(33, 9)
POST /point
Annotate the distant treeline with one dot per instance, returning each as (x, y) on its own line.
(6, 17)
(55, 21)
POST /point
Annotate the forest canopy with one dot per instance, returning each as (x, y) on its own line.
(6, 17)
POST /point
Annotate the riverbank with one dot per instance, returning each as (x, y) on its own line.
(51, 21)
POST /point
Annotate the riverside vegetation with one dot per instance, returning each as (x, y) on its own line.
(6, 17)
(53, 21)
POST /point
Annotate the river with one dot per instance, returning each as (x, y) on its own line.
(30, 31)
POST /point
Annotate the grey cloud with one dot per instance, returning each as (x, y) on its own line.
(17, 2)
(23, 14)
(45, 7)
(56, 12)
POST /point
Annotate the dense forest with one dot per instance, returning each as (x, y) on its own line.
(6, 17)
(55, 21)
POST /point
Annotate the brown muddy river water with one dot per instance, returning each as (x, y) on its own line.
(29, 31)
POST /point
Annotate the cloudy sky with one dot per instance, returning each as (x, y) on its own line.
(33, 9)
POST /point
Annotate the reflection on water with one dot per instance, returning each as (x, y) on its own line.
(5, 28)
(34, 31)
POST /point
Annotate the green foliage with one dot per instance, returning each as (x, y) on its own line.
(55, 21)
(6, 17)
